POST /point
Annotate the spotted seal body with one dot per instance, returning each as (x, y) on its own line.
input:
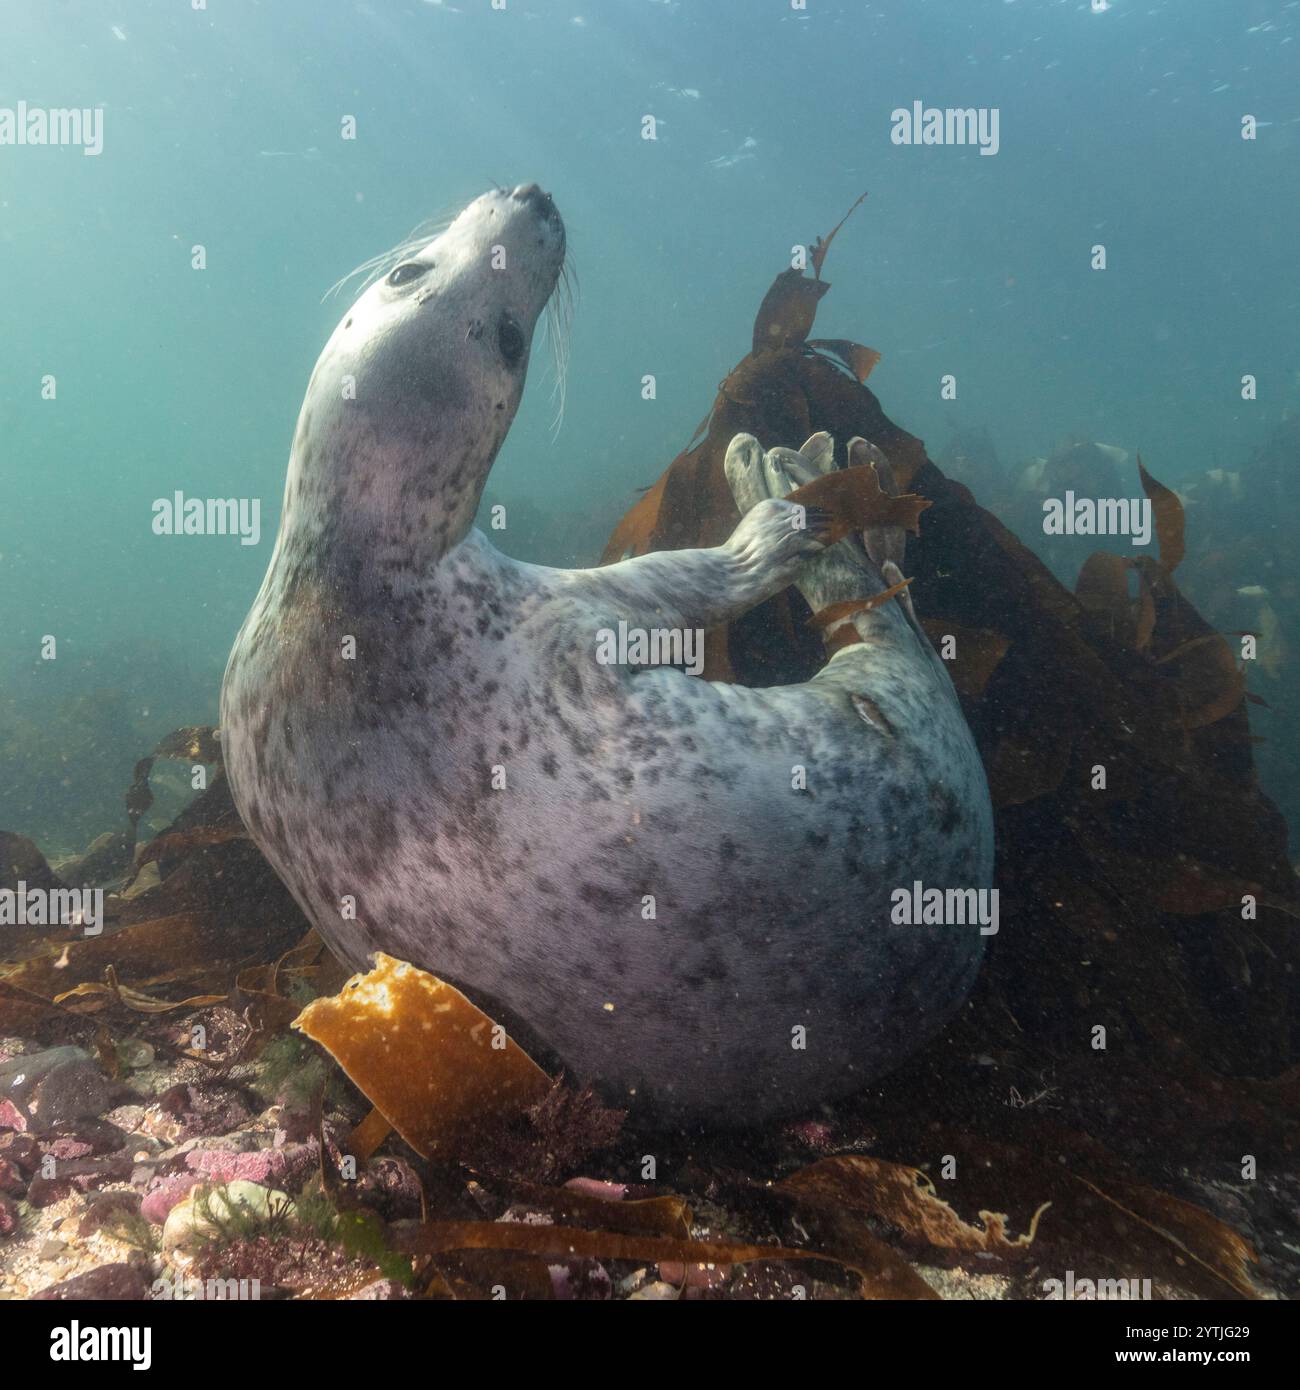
(681, 888)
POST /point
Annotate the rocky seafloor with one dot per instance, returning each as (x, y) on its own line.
(165, 1133)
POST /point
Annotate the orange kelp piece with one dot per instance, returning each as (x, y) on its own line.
(855, 500)
(861, 361)
(847, 608)
(437, 1067)
(787, 312)
(906, 1198)
(823, 243)
(1168, 513)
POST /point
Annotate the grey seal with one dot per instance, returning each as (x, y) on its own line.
(684, 889)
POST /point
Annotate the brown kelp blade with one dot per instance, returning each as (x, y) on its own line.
(786, 314)
(889, 1278)
(1169, 518)
(854, 498)
(860, 360)
(823, 244)
(1062, 1210)
(847, 608)
(438, 1068)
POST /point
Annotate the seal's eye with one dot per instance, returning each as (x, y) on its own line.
(510, 339)
(406, 272)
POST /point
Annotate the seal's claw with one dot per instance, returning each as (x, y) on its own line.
(818, 452)
(753, 475)
(786, 470)
(743, 467)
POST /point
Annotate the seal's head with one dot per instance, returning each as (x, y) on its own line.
(418, 385)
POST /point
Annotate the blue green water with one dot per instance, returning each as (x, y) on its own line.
(223, 128)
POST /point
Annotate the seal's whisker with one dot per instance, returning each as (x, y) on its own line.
(377, 266)
(559, 315)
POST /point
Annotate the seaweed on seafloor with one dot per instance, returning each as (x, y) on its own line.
(1116, 1226)
(290, 1069)
(306, 1242)
(452, 1099)
(134, 1230)
(549, 1141)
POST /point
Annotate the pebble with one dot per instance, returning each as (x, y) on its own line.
(107, 1209)
(159, 1200)
(21, 1150)
(19, 1075)
(655, 1292)
(77, 1175)
(73, 1090)
(186, 1226)
(115, 1281)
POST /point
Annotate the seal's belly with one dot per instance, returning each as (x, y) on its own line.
(684, 890)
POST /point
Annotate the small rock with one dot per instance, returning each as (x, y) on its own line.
(10, 1220)
(135, 1053)
(21, 1150)
(19, 1075)
(117, 1281)
(285, 1167)
(187, 1226)
(148, 878)
(77, 1175)
(108, 1209)
(84, 1139)
(73, 1090)
(52, 1249)
(654, 1292)
(127, 1117)
(158, 1201)
(12, 1181)
(11, 1117)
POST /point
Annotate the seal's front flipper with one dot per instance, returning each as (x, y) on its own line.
(767, 552)
(840, 579)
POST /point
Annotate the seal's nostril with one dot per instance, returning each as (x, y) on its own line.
(531, 194)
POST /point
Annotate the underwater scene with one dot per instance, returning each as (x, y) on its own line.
(648, 651)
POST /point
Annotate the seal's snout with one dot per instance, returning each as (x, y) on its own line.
(541, 203)
(531, 193)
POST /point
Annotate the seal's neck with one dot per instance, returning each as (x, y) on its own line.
(365, 515)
